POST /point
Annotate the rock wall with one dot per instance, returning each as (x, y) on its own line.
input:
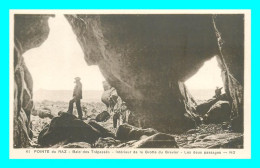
(29, 31)
(146, 57)
(230, 35)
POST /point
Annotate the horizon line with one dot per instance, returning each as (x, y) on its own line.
(66, 90)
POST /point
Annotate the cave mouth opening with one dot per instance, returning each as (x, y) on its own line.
(202, 85)
(56, 63)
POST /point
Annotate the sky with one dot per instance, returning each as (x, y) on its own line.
(60, 59)
(208, 76)
(56, 63)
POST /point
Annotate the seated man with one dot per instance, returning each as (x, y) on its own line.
(217, 92)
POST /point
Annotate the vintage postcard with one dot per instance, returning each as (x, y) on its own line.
(106, 84)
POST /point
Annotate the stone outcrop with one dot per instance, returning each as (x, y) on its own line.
(77, 145)
(45, 113)
(210, 136)
(128, 132)
(218, 113)
(148, 57)
(203, 108)
(67, 128)
(227, 140)
(103, 116)
(29, 31)
(158, 140)
(107, 142)
(104, 132)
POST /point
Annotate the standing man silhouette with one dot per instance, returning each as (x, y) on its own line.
(77, 95)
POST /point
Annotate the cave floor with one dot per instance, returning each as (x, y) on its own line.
(204, 136)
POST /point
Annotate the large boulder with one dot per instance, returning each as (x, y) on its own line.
(45, 113)
(103, 116)
(104, 132)
(67, 128)
(127, 132)
(158, 140)
(204, 107)
(218, 113)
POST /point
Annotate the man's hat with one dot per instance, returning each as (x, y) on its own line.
(77, 78)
